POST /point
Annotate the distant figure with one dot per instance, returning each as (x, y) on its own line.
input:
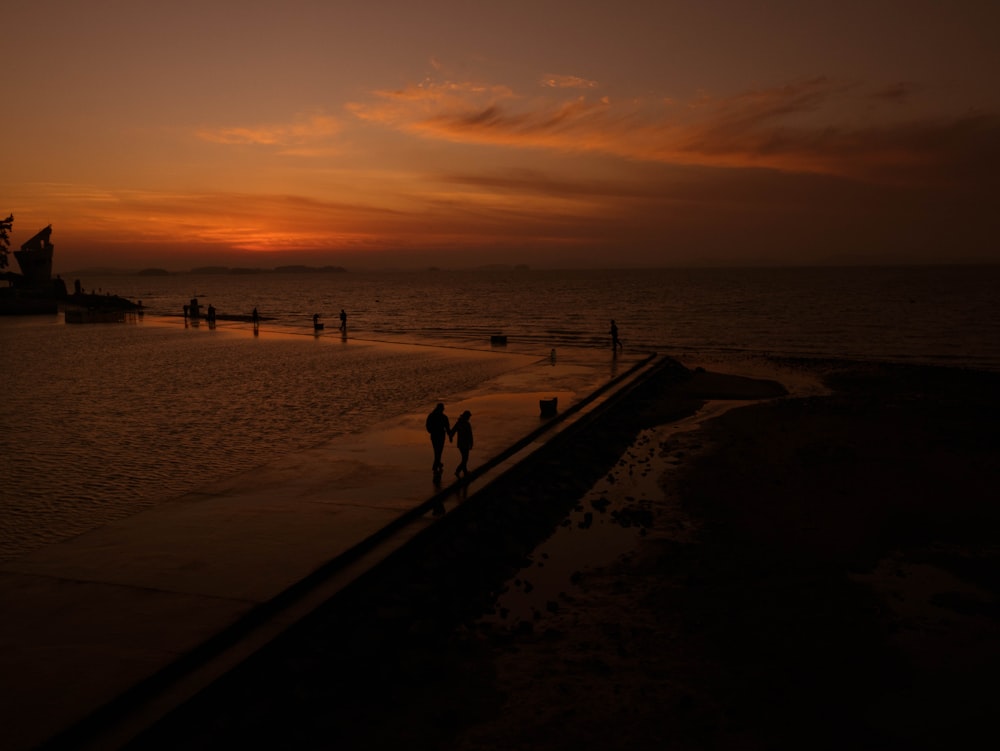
(317, 326)
(464, 430)
(343, 321)
(616, 343)
(185, 312)
(255, 318)
(211, 313)
(439, 426)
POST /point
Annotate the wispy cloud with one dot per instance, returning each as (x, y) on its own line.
(554, 81)
(811, 126)
(303, 135)
(231, 220)
(446, 211)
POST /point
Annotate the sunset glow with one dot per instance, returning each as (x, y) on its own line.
(641, 134)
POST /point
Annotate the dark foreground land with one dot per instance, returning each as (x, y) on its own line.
(815, 572)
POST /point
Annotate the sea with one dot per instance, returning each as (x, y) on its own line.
(101, 421)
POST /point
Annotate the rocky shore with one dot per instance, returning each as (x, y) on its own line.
(805, 572)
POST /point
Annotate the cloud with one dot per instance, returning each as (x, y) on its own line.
(298, 136)
(534, 183)
(817, 126)
(429, 96)
(554, 81)
(231, 220)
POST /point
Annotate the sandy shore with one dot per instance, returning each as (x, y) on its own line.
(816, 571)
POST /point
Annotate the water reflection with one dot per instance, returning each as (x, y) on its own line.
(134, 415)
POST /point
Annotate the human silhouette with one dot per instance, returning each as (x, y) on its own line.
(463, 428)
(439, 427)
(255, 318)
(616, 343)
(317, 326)
(343, 321)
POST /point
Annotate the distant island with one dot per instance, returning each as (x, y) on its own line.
(276, 270)
(309, 269)
(213, 270)
(487, 267)
(290, 269)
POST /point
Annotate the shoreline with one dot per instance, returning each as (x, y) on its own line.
(104, 628)
(415, 606)
(808, 571)
(195, 407)
(821, 572)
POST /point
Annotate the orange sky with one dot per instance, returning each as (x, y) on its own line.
(258, 133)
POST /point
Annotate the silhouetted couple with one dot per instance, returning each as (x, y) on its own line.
(439, 427)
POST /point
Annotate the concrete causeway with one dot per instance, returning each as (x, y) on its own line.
(103, 633)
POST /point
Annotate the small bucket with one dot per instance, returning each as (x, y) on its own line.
(548, 407)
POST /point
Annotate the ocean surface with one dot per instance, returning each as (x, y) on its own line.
(100, 421)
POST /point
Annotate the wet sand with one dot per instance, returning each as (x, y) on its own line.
(813, 571)
(104, 632)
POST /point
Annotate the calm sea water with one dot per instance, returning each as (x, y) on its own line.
(100, 421)
(946, 315)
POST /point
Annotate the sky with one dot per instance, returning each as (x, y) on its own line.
(555, 134)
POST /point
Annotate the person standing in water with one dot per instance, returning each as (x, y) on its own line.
(439, 426)
(343, 321)
(616, 343)
(464, 430)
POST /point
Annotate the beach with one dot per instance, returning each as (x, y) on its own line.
(816, 570)
(106, 630)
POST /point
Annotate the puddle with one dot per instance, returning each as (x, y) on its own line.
(606, 524)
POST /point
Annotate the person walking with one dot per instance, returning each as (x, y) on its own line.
(463, 428)
(439, 426)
